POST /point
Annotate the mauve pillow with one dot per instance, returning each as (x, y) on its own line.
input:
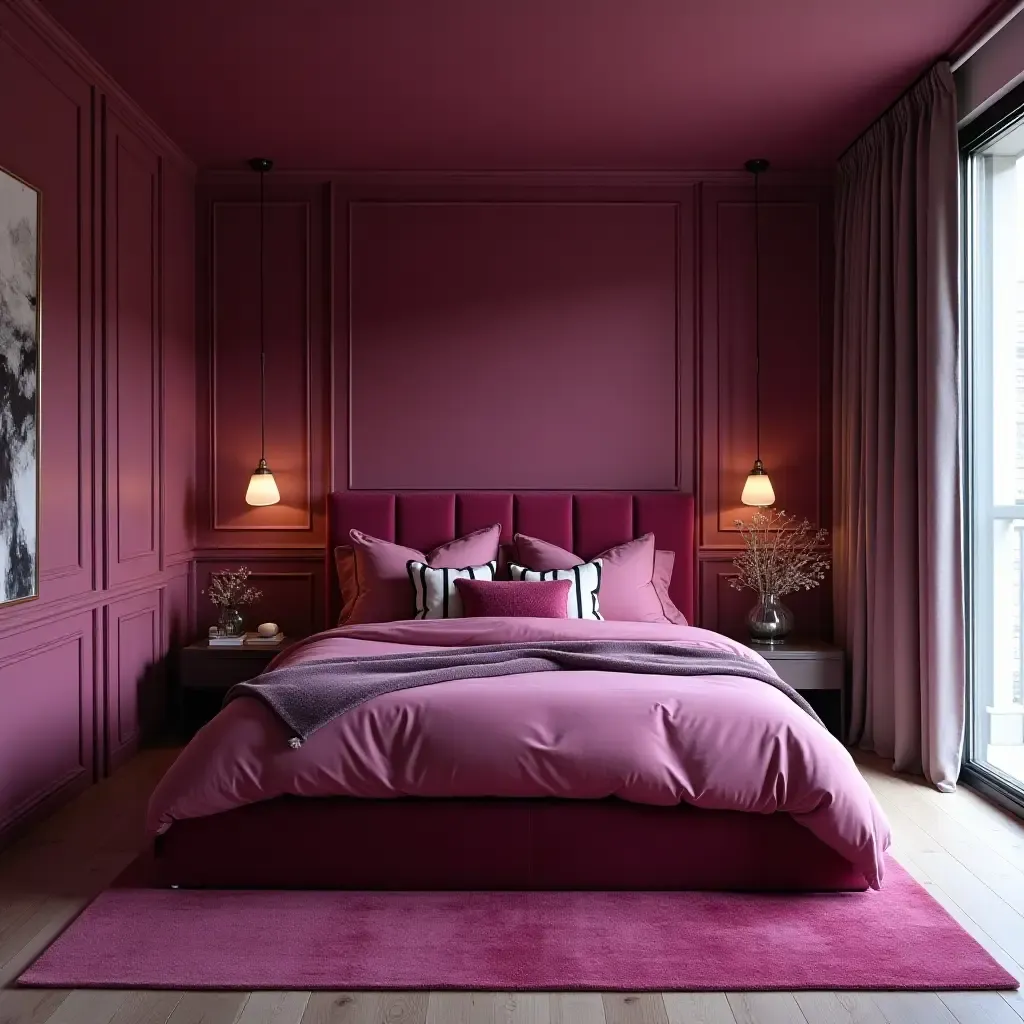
(664, 563)
(630, 590)
(374, 579)
(514, 599)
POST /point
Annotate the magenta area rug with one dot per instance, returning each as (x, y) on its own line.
(899, 938)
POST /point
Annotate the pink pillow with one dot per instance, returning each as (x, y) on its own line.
(664, 563)
(514, 599)
(374, 579)
(634, 587)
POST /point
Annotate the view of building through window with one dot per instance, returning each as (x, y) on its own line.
(998, 449)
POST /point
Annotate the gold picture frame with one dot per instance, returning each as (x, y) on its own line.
(20, 373)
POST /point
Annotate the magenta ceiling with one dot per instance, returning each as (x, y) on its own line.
(515, 84)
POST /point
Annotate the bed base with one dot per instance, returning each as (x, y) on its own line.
(496, 844)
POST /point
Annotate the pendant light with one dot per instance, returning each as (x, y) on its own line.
(758, 488)
(262, 488)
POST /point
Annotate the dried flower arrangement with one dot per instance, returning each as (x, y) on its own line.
(781, 554)
(229, 589)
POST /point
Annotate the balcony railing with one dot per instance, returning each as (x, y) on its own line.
(1001, 685)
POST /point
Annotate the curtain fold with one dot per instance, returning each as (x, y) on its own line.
(897, 538)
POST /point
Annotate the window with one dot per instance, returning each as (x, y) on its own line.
(993, 183)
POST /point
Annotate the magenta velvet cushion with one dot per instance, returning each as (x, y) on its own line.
(374, 578)
(634, 581)
(514, 598)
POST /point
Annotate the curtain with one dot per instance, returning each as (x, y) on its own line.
(897, 459)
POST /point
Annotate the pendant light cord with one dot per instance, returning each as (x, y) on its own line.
(263, 351)
(757, 315)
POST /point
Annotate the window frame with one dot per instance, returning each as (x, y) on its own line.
(1004, 115)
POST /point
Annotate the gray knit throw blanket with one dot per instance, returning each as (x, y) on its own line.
(308, 696)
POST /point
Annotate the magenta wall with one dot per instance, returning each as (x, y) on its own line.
(82, 668)
(503, 331)
(524, 335)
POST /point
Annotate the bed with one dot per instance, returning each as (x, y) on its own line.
(537, 781)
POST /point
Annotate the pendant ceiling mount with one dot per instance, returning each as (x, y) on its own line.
(757, 490)
(262, 489)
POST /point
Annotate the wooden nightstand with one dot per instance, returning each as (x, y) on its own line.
(812, 668)
(205, 674)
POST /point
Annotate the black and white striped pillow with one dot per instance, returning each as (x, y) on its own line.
(586, 583)
(435, 595)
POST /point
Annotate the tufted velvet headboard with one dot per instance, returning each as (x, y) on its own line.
(586, 523)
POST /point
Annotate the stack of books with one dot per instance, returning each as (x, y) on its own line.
(264, 641)
(225, 640)
(244, 640)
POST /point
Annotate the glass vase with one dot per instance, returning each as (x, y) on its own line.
(230, 622)
(769, 621)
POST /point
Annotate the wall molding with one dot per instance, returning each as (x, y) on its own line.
(454, 178)
(178, 367)
(795, 450)
(216, 523)
(277, 573)
(723, 608)
(299, 519)
(124, 707)
(307, 553)
(17, 824)
(60, 40)
(707, 276)
(122, 148)
(76, 574)
(47, 640)
(98, 390)
(683, 212)
(33, 613)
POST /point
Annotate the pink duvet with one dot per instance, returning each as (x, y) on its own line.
(713, 742)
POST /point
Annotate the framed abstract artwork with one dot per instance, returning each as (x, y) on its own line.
(19, 389)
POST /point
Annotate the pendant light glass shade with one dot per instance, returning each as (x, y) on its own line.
(262, 489)
(758, 489)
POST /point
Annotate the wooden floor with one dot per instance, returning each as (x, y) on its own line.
(967, 853)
